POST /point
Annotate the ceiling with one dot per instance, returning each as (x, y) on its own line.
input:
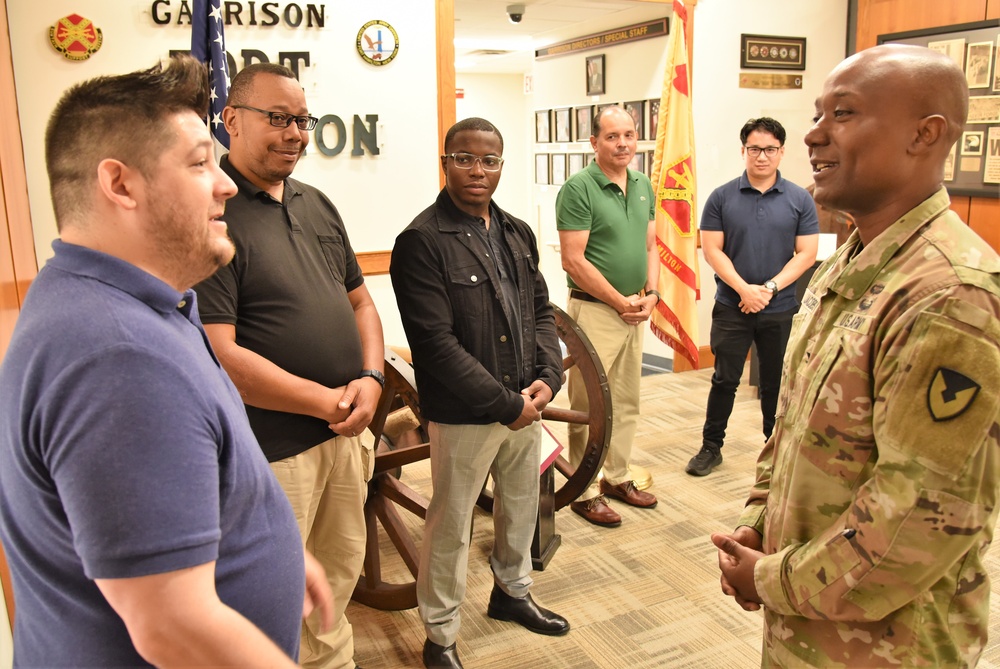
(487, 42)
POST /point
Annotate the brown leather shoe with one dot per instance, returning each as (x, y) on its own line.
(628, 493)
(597, 511)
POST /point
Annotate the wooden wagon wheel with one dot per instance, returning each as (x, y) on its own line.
(387, 495)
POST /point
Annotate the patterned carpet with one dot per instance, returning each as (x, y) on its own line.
(642, 595)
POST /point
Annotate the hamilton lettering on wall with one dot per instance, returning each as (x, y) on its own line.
(266, 14)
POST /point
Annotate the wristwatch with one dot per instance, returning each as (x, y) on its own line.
(771, 286)
(654, 292)
(375, 374)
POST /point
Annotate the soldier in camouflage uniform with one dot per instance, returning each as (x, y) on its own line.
(876, 497)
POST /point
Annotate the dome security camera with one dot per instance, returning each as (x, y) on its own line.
(515, 13)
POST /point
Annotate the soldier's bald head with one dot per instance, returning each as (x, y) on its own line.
(921, 81)
(886, 121)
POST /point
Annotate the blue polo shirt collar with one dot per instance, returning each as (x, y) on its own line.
(779, 184)
(124, 276)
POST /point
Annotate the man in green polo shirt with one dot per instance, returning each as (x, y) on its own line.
(607, 235)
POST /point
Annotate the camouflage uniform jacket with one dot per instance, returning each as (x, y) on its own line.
(877, 494)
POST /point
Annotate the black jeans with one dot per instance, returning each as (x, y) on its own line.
(732, 334)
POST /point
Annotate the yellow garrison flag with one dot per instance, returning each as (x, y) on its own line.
(675, 320)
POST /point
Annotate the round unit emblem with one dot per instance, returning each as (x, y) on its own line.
(378, 42)
(75, 37)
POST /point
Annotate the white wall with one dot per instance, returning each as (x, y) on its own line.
(632, 71)
(377, 195)
(635, 72)
(500, 99)
(721, 106)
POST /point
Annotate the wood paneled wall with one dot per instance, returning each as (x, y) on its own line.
(877, 17)
(447, 109)
(18, 264)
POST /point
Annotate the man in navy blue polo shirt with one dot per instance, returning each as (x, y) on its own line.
(140, 519)
(759, 233)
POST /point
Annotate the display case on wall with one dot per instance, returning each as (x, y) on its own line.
(973, 167)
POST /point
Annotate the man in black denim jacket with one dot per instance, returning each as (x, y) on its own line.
(482, 335)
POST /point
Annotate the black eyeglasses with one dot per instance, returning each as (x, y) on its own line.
(283, 120)
(465, 161)
(769, 151)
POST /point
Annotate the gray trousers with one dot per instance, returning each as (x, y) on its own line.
(461, 457)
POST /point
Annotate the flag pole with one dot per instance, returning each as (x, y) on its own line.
(675, 320)
(208, 44)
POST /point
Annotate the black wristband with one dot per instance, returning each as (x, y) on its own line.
(654, 292)
(375, 374)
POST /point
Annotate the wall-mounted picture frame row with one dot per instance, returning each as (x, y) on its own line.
(575, 124)
(552, 169)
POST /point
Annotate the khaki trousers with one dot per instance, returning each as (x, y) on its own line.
(619, 347)
(461, 457)
(327, 486)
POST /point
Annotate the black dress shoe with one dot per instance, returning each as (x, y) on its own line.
(525, 613)
(441, 657)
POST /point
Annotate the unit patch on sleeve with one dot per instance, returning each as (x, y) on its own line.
(950, 394)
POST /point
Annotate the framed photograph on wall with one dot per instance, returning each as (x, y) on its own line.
(543, 126)
(638, 162)
(599, 108)
(637, 110)
(542, 168)
(973, 169)
(772, 52)
(558, 169)
(649, 163)
(978, 63)
(595, 75)
(575, 163)
(972, 143)
(563, 121)
(953, 48)
(584, 123)
(588, 158)
(654, 118)
(996, 68)
(984, 109)
(949, 163)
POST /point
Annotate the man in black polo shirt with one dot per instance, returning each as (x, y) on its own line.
(294, 326)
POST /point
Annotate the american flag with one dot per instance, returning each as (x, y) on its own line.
(208, 44)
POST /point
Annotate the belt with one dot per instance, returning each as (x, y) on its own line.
(580, 295)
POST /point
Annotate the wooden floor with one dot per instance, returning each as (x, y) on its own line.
(643, 595)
